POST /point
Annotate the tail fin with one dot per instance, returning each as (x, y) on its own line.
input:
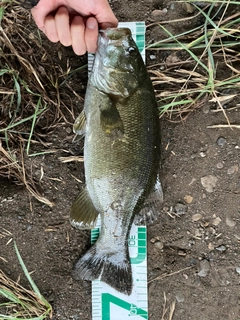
(112, 268)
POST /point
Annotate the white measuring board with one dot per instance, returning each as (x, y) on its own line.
(107, 303)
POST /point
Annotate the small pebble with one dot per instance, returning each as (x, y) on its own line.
(238, 270)
(188, 199)
(211, 246)
(202, 154)
(180, 297)
(233, 169)
(31, 36)
(204, 268)
(231, 223)
(159, 245)
(221, 141)
(219, 165)
(158, 14)
(153, 240)
(209, 182)
(152, 56)
(221, 248)
(188, 7)
(172, 58)
(206, 108)
(193, 261)
(180, 208)
(216, 221)
(42, 71)
(196, 217)
(182, 253)
(198, 233)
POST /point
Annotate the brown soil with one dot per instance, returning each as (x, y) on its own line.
(195, 228)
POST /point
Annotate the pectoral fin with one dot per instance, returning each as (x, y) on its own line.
(83, 213)
(79, 126)
(110, 119)
(152, 206)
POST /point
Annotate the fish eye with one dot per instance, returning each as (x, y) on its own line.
(131, 50)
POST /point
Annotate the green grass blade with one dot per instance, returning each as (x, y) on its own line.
(17, 87)
(12, 125)
(173, 104)
(215, 1)
(164, 41)
(3, 71)
(185, 48)
(4, 317)
(10, 296)
(33, 123)
(32, 283)
(1, 14)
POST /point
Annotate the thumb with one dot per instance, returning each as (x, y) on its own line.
(106, 25)
(104, 15)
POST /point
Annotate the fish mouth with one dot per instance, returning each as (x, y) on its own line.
(115, 34)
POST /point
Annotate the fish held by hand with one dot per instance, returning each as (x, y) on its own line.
(121, 157)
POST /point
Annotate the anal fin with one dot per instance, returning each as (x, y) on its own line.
(152, 206)
(83, 213)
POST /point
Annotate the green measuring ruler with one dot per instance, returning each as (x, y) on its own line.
(107, 303)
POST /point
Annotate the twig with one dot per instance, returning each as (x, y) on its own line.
(224, 126)
(165, 275)
(71, 158)
(172, 309)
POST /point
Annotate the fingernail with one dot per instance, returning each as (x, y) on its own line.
(106, 25)
(91, 23)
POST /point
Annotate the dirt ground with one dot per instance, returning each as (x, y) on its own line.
(193, 249)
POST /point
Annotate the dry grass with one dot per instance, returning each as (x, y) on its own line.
(211, 65)
(35, 95)
(10, 166)
(168, 311)
(20, 303)
(30, 305)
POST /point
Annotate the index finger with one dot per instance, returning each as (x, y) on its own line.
(41, 11)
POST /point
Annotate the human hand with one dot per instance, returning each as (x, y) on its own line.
(74, 22)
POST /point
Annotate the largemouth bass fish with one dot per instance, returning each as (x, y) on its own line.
(121, 157)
